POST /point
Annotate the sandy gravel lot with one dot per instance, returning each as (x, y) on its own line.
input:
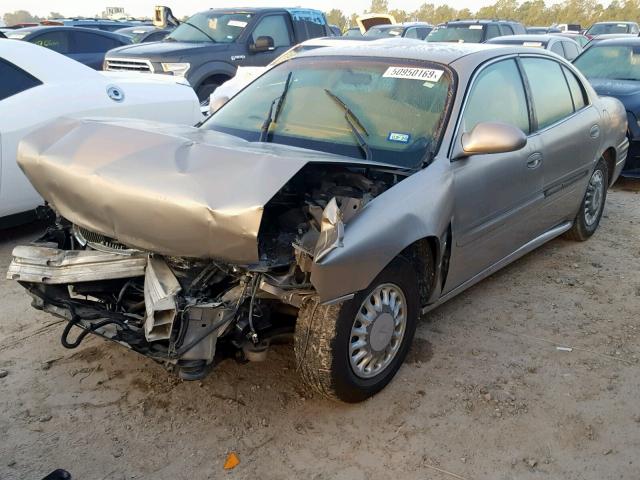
(485, 393)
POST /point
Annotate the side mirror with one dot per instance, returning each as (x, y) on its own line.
(263, 44)
(217, 104)
(492, 137)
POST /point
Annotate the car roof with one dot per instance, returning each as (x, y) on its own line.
(409, 49)
(620, 41)
(139, 28)
(336, 41)
(543, 38)
(30, 30)
(613, 23)
(479, 21)
(401, 25)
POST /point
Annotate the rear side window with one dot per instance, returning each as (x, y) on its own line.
(492, 31)
(274, 26)
(556, 47)
(14, 80)
(571, 50)
(85, 42)
(506, 30)
(56, 41)
(577, 91)
(411, 33)
(497, 95)
(551, 97)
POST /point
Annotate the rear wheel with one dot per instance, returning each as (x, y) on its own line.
(592, 206)
(350, 351)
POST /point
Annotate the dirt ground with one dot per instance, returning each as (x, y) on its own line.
(484, 394)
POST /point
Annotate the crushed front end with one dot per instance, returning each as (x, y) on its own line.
(186, 312)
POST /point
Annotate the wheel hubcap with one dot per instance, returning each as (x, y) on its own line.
(594, 198)
(378, 330)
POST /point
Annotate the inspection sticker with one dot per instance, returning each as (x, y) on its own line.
(414, 73)
(237, 23)
(399, 137)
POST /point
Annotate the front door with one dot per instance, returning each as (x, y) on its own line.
(494, 194)
(277, 27)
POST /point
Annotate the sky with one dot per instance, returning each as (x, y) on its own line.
(89, 8)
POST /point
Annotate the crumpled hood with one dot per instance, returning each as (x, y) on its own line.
(173, 190)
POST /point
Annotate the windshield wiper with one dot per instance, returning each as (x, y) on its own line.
(273, 116)
(354, 124)
(201, 31)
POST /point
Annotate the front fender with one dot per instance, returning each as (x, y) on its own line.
(418, 207)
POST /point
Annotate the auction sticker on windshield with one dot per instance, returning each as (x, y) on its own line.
(414, 73)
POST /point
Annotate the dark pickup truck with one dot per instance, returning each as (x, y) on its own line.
(207, 48)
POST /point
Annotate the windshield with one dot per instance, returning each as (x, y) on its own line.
(384, 32)
(293, 52)
(615, 62)
(211, 27)
(457, 33)
(388, 110)
(606, 28)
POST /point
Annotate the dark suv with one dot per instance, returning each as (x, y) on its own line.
(207, 48)
(474, 31)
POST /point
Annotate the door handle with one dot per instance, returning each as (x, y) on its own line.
(534, 160)
(595, 131)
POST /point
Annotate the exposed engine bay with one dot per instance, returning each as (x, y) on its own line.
(189, 312)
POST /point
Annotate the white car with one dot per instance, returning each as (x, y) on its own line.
(245, 75)
(38, 85)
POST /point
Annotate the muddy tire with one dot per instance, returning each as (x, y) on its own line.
(588, 218)
(333, 342)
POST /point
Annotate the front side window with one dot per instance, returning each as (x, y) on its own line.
(497, 95)
(615, 62)
(393, 108)
(56, 41)
(14, 80)
(274, 26)
(210, 26)
(551, 97)
(462, 33)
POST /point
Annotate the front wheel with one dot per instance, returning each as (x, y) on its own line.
(592, 206)
(350, 351)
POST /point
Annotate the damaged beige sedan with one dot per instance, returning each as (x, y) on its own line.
(334, 200)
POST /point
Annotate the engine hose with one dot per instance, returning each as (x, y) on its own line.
(75, 319)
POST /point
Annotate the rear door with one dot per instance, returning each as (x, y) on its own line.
(495, 194)
(569, 129)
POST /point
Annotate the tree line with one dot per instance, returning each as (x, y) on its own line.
(529, 12)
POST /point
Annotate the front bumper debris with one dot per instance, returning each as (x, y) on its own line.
(52, 266)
